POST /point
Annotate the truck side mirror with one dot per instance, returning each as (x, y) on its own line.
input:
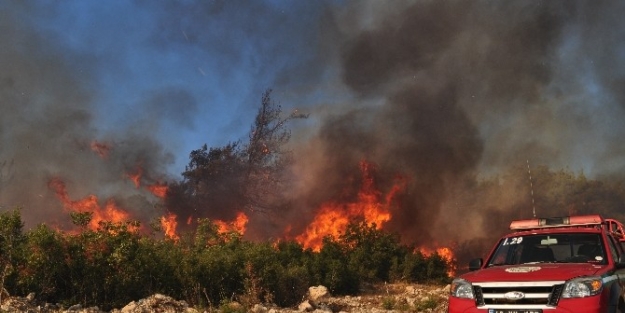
(475, 264)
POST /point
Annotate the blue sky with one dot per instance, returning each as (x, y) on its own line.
(153, 80)
(191, 71)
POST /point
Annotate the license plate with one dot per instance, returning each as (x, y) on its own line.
(515, 311)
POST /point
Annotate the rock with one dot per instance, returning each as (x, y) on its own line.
(156, 302)
(14, 305)
(130, 307)
(306, 306)
(257, 308)
(161, 297)
(370, 301)
(323, 308)
(318, 293)
(75, 307)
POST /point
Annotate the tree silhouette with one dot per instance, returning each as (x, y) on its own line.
(265, 156)
(222, 181)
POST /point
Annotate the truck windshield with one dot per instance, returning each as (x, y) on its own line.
(565, 248)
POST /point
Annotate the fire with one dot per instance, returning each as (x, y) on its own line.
(330, 220)
(239, 225)
(109, 213)
(158, 189)
(446, 254)
(169, 224)
(101, 148)
(333, 218)
(136, 177)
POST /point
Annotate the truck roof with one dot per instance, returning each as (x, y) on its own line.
(560, 230)
(578, 223)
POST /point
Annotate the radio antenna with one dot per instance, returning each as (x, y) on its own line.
(529, 173)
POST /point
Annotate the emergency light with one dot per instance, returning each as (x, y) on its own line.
(566, 221)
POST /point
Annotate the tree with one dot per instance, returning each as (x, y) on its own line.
(11, 242)
(44, 269)
(266, 158)
(213, 179)
(237, 177)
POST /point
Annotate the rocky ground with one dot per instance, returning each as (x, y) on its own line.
(380, 298)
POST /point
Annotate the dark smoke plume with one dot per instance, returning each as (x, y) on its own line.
(448, 94)
(466, 89)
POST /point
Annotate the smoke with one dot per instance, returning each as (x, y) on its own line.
(48, 131)
(96, 94)
(446, 94)
(451, 92)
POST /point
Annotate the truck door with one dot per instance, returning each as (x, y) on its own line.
(616, 251)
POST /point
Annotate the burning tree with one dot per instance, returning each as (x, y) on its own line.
(265, 157)
(222, 182)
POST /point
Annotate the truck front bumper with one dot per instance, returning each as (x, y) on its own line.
(587, 305)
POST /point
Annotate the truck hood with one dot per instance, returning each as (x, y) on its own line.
(534, 272)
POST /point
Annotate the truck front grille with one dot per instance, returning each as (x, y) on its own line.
(518, 294)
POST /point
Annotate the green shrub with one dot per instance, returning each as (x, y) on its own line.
(428, 303)
(44, 268)
(388, 303)
(115, 264)
(333, 271)
(12, 242)
(371, 252)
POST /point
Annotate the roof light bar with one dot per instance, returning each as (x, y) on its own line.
(582, 220)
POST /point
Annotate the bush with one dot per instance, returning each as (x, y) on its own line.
(429, 303)
(44, 268)
(371, 252)
(12, 243)
(114, 265)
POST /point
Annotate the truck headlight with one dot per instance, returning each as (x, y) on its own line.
(582, 287)
(461, 288)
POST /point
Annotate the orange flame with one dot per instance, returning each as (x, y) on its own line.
(158, 189)
(333, 218)
(239, 225)
(101, 148)
(136, 177)
(169, 224)
(110, 212)
(446, 254)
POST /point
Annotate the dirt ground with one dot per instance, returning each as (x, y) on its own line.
(373, 299)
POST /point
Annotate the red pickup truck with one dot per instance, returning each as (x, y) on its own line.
(548, 265)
